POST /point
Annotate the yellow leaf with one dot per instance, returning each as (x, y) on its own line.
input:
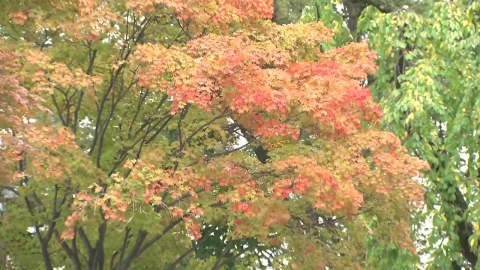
(410, 117)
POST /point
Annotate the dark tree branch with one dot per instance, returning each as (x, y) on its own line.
(260, 151)
(92, 55)
(224, 114)
(98, 259)
(158, 236)
(84, 239)
(193, 248)
(141, 102)
(159, 130)
(353, 9)
(227, 248)
(44, 246)
(59, 112)
(240, 253)
(75, 250)
(126, 241)
(76, 263)
(138, 249)
(465, 229)
(125, 264)
(151, 118)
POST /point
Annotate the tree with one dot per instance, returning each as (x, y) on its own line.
(148, 101)
(17, 106)
(430, 101)
(443, 128)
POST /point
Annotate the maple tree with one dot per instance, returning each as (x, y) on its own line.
(138, 152)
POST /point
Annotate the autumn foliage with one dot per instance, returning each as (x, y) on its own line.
(169, 88)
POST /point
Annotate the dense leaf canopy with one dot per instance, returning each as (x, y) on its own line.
(138, 109)
(427, 85)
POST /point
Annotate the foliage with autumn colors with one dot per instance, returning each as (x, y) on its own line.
(139, 107)
(427, 84)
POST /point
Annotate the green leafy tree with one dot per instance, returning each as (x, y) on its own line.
(435, 106)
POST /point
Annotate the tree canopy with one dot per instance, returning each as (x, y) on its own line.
(138, 108)
(427, 85)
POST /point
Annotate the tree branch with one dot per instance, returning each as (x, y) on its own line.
(158, 236)
(92, 56)
(44, 246)
(193, 248)
(227, 248)
(240, 253)
(465, 230)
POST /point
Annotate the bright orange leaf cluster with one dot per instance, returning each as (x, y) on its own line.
(208, 12)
